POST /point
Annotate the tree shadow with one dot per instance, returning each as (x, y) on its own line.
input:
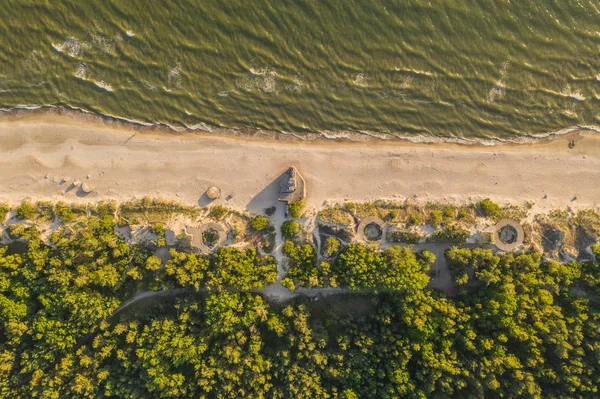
(267, 197)
(80, 193)
(70, 187)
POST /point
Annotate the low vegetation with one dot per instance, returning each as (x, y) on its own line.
(149, 210)
(4, 210)
(260, 223)
(218, 212)
(451, 234)
(69, 212)
(336, 216)
(290, 229)
(25, 211)
(489, 208)
(332, 246)
(296, 209)
(404, 236)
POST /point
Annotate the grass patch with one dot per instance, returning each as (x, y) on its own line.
(513, 212)
(218, 212)
(106, 208)
(336, 215)
(153, 210)
(25, 211)
(451, 234)
(404, 236)
(362, 210)
(489, 208)
(4, 209)
(45, 210)
(70, 212)
(296, 208)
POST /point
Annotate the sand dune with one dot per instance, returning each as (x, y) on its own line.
(122, 163)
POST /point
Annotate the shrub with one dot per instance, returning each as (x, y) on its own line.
(259, 223)
(290, 229)
(411, 237)
(332, 246)
(427, 256)
(153, 263)
(452, 234)
(69, 212)
(335, 216)
(45, 209)
(414, 218)
(435, 217)
(65, 213)
(462, 214)
(106, 208)
(25, 211)
(393, 214)
(4, 209)
(488, 207)
(218, 211)
(296, 208)
(448, 213)
(160, 230)
(210, 238)
(289, 284)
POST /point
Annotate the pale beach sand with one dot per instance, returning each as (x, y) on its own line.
(123, 162)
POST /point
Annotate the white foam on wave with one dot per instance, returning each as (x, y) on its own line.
(595, 129)
(568, 92)
(361, 80)
(334, 135)
(103, 85)
(174, 76)
(81, 71)
(578, 96)
(297, 85)
(259, 72)
(72, 47)
(105, 43)
(499, 90)
(264, 80)
(415, 71)
(149, 85)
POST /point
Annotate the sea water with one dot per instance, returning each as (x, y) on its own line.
(477, 69)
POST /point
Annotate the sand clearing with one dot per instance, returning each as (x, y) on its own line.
(123, 162)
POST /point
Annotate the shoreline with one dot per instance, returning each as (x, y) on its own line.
(32, 112)
(122, 162)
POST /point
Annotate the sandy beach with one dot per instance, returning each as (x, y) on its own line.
(122, 162)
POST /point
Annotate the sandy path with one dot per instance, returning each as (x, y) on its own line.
(123, 163)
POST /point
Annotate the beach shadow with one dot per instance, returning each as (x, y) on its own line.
(80, 193)
(204, 200)
(70, 187)
(266, 198)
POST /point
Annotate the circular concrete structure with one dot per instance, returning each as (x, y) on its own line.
(197, 234)
(371, 229)
(86, 188)
(213, 193)
(508, 235)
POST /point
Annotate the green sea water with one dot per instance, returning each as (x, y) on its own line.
(485, 68)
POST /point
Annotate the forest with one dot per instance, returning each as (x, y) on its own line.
(518, 326)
